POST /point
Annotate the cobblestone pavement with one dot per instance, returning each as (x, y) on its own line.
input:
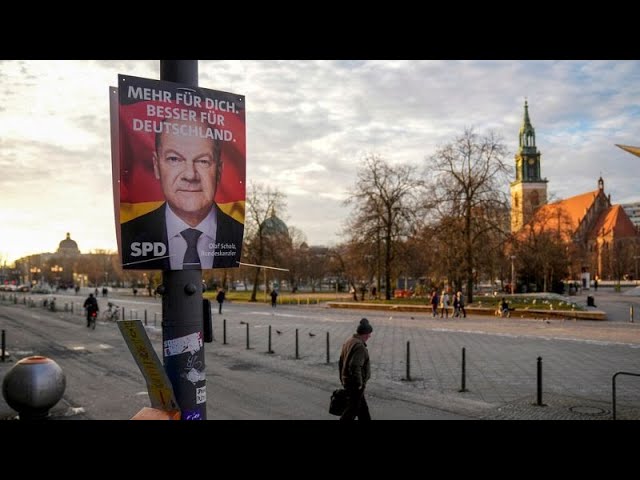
(560, 407)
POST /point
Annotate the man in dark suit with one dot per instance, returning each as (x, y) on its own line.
(189, 230)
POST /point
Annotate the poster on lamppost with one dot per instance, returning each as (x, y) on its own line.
(180, 161)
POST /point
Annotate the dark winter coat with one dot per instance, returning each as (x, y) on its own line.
(354, 366)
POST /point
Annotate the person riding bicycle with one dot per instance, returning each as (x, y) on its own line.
(113, 312)
(91, 305)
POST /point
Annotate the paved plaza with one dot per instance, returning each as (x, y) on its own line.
(578, 358)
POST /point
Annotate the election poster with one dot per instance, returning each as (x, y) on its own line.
(179, 154)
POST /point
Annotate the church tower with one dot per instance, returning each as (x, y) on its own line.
(528, 190)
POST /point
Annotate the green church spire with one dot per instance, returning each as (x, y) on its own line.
(527, 132)
(527, 122)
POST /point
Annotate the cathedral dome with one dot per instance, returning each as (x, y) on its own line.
(273, 226)
(68, 246)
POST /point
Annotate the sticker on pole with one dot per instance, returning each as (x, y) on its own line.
(190, 343)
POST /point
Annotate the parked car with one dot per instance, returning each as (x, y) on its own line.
(24, 288)
(40, 288)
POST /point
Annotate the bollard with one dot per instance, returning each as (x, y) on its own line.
(613, 395)
(328, 348)
(269, 350)
(224, 331)
(213, 334)
(631, 313)
(297, 356)
(4, 344)
(145, 317)
(248, 348)
(408, 379)
(155, 314)
(464, 372)
(33, 386)
(123, 317)
(539, 401)
(72, 303)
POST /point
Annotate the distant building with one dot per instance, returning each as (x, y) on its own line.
(66, 267)
(589, 220)
(633, 212)
(68, 247)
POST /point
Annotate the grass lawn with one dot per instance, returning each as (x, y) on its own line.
(523, 302)
(283, 297)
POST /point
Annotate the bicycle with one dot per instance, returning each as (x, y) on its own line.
(112, 313)
(92, 320)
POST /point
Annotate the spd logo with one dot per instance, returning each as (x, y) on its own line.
(142, 249)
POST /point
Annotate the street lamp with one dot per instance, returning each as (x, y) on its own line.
(33, 271)
(513, 275)
(636, 257)
(56, 269)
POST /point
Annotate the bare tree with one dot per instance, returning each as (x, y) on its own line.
(261, 202)
(349, 261)
(386, 204)
(296, 258)
(620, 258)
(543, 248)
(466, 178)
(416, 259)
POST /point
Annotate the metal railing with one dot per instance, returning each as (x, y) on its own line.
(613, 381)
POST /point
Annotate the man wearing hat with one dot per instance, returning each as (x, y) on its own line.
(355, 371)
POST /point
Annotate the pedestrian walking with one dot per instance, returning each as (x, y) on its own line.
(220, 299)
(355, 371)
(274, 298)
(444, 304)
(435, 301)
(458, 304)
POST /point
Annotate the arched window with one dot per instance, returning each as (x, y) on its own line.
(535, 199)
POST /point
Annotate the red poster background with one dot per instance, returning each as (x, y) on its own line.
(138, 184)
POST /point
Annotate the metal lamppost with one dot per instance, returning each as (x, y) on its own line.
(513, 275)
(56, 269)
(633, 151)
(33, 271)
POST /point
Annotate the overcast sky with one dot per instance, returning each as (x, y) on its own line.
(309, 125)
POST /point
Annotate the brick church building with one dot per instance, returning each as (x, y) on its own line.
(601, 239)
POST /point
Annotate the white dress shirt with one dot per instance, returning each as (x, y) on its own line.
(178, 245)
